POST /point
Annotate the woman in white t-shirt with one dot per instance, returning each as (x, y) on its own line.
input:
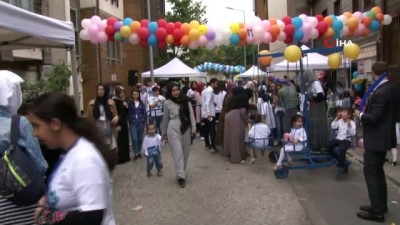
(79, 190)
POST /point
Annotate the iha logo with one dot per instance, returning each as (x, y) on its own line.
(332, 42)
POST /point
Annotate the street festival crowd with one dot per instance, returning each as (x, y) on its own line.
(76, 154)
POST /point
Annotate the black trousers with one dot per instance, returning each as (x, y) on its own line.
(209, 132)
(343, 146)
(376, 181)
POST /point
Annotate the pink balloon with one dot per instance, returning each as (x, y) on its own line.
(94, 40)
(250, 40)
(102, 25)
(134, 39)
(93, 29)
(266, 24)
(306, 38)
(314, 33)
(267, 37)
(202, 40)
(102, 37)
(257, 40)
(281, 36)
(358, 15)
(360, 29)
(95, 19)
(258, 31)
(306, 28)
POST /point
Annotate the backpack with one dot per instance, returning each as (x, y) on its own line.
(20, 180)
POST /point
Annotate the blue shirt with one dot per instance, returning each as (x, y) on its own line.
(26, 139)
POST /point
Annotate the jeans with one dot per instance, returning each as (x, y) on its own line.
(343, 145)
(157, 121)
(154, 159)
(137, 138)
(209, 132)
(279, 125)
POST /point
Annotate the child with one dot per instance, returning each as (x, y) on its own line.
(261, 132)
(345, 130)
(151, 148)
(293, 141)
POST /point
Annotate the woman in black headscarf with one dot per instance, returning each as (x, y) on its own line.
(102, 110)
(122, 125)
(178, 125)
(236, 121)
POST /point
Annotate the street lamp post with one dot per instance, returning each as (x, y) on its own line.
(244, 21)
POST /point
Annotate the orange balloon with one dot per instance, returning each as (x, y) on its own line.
(264, 61)
(366, 21)
(169, 39)
(242, 33)
(351, 33)
(376, 10)
(272, 21)
(135, 25)
(328, 20)
(185, 28)
(185, 40)
(241, 25)
(366, 32)
(242, 42)
(329, 33)
(352, 23)
(379, 17)
(347, 14)
(274, 30)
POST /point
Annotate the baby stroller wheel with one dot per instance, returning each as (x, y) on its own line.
(281, 173)
(273, 156)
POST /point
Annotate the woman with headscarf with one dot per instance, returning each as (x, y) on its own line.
(102, 111)
(10, 101)
(122, 125)
(195, 99)
(178, 126)
(236, 121)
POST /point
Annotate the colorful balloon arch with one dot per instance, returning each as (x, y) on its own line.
(229, 69)
(193, 35)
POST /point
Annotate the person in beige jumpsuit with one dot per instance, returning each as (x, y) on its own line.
(178, 126)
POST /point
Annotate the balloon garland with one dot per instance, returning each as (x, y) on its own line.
(208, 66)
(193, 34)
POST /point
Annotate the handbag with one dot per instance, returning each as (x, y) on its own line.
(20, 180)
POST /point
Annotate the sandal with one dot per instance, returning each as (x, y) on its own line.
(277, 167)
(290, 163)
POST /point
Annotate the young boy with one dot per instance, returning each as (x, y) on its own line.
(151, 148)
(345, 130)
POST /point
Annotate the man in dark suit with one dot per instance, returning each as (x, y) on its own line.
(378, 121)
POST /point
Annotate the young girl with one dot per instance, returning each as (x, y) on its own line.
(151, 148)
(259, 131)
(294, 141)
(137, 121)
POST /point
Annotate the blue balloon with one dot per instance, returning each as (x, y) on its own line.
(152, 27)
(355, 74)
(358, 87)
(337, 25)
(374, 26)
(127, 21)
(234, 39)
(298, 35)
(152, 40)
(297, 22)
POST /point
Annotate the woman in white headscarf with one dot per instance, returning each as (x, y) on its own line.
(10, 101)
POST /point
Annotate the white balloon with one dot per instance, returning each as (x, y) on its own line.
(84, 35)
(102, 25)
(314, 33)
(387, 19)
(280, 24)
(258, 31)
(344, 32)
(303, 17)
(86, 23)
(313, 21)
(282, 36)
(193, 45)
(95, 19)
(134, 38)
(210, 45)
(342, 18)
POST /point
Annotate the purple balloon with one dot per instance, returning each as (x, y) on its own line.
(117, 25)
(210, 35)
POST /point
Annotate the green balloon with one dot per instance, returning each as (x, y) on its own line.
(118, 37)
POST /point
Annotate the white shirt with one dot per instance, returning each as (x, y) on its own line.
(158, 110)
(208, 102)
(190, 93)
(316, 88)
(82, 182)
(258, 131)
(344, 132)
(151, 143)
(219, 100)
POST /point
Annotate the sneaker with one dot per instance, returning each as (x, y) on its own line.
(277, 167)
(340, 171)
(148, 173)
(394, 163)
(159, 173)
(242, 162)
(181, 182)
(135, 157)
(202, 138)
(212, 151)
(252, 160)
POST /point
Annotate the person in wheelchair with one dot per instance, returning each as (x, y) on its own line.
(345, 129)
(294, 141)
(260, 134)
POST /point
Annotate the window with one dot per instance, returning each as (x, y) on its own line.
(25, 4)
(114, 51)
(356, 6)
(368, 4)
(74, 18)
(336, 8)
(325, 12)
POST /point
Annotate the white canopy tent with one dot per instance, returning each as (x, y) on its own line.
(311, 61)
(21, 29)
(252, 72)
(174, 69)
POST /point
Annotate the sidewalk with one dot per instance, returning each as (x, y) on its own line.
(392, 172)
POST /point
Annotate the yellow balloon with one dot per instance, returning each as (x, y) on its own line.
(203, 29)
(292, 53)
(125, 31)
(334, 61)
(194, 34)
(169, 39)
(357, 81)
(194, 24)
(351, 51)
(234, 27)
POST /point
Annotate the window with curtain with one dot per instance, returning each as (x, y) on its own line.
(25, 4)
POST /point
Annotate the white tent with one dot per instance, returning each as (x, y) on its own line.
(253, 71)
(21, 29)
(174, 69)
(311, 60)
